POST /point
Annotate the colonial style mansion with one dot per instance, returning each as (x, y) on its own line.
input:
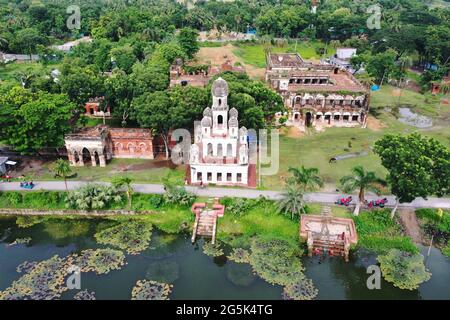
(317, 95)
(220, 152)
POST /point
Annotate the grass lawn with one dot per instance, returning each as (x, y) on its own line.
(379, 233)
(425, 104)
(118, 167)
(8, 73)
(253, 54)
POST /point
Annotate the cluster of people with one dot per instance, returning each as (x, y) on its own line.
(27, 184)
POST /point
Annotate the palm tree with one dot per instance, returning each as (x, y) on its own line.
(123, 181)
(292, 202)
(362, 180)
(366, 79)
(62, 169)
(307, 179)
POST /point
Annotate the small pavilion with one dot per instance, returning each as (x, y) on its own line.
(325, 233)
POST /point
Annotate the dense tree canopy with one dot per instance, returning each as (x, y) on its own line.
(31, 122)
(417, 166)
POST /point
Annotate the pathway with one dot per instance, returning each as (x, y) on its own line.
(317, 197)
(409, 221)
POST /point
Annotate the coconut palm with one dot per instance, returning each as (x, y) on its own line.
(362, 180)
(366, 79)
(306, 179)
(124, 182)
(292, 202)
(62, 169)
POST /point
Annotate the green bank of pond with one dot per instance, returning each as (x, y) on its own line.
(171, 258)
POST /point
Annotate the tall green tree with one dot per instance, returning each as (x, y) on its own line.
(157, 112)
(61, 168)
(36, 120)
(361, 180)
(417, 166)
(187, 38)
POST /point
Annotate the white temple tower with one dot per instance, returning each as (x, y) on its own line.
(219, 154)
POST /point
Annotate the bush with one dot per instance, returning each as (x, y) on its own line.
(379, 233)
(179, 196)
(156, 200)
(432, 216)
(92, 196)
(14, 198)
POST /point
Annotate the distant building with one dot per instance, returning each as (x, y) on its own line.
(317, 95)
(198, 76)
(220, 153)
(67, 47)
(342, 59)
(95, 146)
(92, 108)
(10, 57)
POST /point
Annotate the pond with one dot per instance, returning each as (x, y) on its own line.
(194, 275)
(406, 115)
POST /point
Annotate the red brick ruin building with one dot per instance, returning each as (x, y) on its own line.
(96, 145)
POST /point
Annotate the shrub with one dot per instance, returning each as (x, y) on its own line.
(379, 233)
(179, 196)
(14, 198)
(156, 200)
(92, 196)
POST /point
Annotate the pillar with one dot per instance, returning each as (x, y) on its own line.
(102, 160)
(71, 158)
(80, 157)
(94, 163)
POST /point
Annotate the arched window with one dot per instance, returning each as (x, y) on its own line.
(210, 149)
(220, 119)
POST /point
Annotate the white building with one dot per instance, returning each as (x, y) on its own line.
(220, 153)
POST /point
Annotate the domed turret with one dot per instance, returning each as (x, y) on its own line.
(233, 113)
(207, 112)
(220, 88)
(206, 122)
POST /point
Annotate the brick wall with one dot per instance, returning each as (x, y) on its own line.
(132, 143)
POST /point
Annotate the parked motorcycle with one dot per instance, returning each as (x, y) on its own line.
(344, 201)
(377, 203)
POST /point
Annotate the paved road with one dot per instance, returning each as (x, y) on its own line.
(319, 197)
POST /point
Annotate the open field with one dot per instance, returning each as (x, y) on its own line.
(8, 73)
(253, 54)
(140, 170)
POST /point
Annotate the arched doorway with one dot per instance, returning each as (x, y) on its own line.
(308, 119)
(76, 157)
(86, 156)
(97, 158)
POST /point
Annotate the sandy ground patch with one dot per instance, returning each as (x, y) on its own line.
(374, 124)
(294, 132)
(396, 92)
(218, 55)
